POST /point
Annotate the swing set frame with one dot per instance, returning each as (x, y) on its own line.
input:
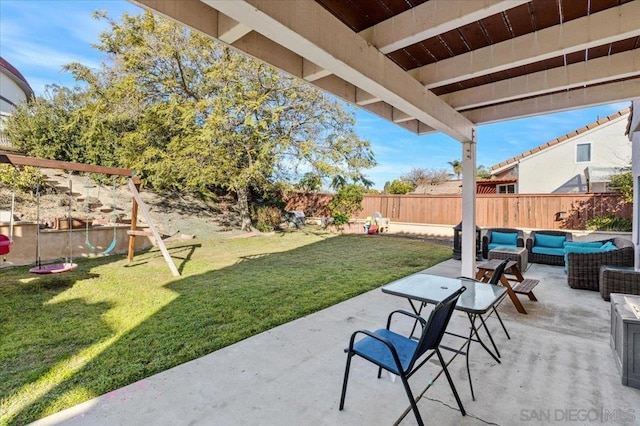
(134, 186)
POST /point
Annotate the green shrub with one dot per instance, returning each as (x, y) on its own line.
(267, 218)
(609, 223)
(623, 184)
(29, 179)
(340, 219)
(398, 186)
(346, 202)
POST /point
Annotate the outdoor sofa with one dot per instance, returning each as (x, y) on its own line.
(583, 264)
(547, 246)
(501, 237)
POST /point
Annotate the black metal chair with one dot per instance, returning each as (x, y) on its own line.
(399, 354)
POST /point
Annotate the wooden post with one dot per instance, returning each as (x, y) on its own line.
(134, 224)
(469, 207)
(152, 227)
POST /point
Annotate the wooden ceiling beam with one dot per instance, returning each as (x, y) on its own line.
(587, 73)
(312, 72)
(619, 91)
(309, 30)
(365, 98)
(430, 19)
(386, 112)
(192, 13)
(254, 44)
(230, 31)
(608, 26)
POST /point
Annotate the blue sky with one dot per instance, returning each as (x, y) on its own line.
(38, 37)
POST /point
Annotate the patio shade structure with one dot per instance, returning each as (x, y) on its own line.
(438, 65)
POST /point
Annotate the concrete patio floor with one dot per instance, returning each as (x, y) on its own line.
(557, 367)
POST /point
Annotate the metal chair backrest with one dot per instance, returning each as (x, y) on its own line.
(495, 278)
(436, 325)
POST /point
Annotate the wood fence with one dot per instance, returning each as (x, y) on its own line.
(535, 211)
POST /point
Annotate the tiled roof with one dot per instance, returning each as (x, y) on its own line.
(563, 138)
(446, 187)
(483, 186)
(488, 186)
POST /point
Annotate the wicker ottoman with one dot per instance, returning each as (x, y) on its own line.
(618, 279)
(519, 254)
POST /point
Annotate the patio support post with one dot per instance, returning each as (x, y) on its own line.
(634, 137)
(469, 206)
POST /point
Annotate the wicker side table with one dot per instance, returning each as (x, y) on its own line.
(519, 254)
(625, 337)
(618, 279)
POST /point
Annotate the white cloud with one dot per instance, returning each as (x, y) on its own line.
(39, 37)
(47, 57)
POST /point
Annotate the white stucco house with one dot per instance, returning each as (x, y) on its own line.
(14, 90)
(580, 161)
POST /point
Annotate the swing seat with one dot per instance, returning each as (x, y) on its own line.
(5, 242)
(55, 268)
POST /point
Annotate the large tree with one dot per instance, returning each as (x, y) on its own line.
(191, 114)
(419, 176)
(59, 125)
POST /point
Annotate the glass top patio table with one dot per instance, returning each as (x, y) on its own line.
(475, 301)
(427, 288)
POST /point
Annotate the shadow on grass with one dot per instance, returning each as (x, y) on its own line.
(176, 252)
(217, 308)
(37, 331)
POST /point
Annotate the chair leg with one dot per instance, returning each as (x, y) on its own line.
(453, 387)
(346, 379)
(412, 400)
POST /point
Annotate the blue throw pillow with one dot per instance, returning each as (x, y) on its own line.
(504, 238)
(578, 249)
(553, 241)
(608, 246)
(583, 243)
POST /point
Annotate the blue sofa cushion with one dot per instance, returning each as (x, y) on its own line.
(491, 246)
(550, 241)
(548, 250)
(504, 238)
(596, 244)
(585, 249)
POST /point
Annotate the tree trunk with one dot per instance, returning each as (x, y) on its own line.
(243, 206)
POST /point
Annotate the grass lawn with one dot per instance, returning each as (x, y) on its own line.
(70, 337)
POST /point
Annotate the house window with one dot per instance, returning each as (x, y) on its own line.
(583, 152)
(506, 189)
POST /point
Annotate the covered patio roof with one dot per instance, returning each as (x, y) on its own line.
(438, 65)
